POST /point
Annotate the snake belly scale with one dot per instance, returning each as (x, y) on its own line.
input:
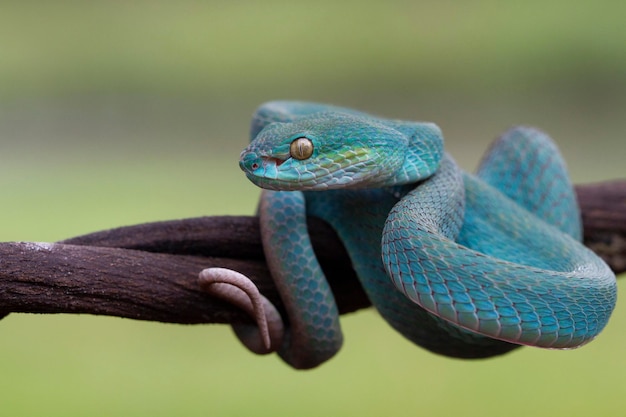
(463, 265)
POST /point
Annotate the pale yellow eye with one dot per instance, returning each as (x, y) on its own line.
(301, 148)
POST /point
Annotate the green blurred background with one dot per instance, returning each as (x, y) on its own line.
(115, 113)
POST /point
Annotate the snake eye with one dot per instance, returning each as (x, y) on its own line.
(301, 148)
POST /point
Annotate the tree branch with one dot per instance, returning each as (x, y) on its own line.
(149, 271)
(603, 208)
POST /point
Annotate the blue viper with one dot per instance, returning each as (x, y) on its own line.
(463, 265)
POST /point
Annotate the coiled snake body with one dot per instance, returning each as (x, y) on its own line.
(463, 265)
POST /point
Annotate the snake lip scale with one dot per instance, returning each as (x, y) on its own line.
(464, 265)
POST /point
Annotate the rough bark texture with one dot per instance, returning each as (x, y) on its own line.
(149, 271)
(603, 208)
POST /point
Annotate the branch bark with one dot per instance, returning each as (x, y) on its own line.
(149, 271)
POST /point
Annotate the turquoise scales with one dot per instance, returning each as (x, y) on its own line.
(471, 266)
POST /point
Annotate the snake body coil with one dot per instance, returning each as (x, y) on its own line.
(463, 265)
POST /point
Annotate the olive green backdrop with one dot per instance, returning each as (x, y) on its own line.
(116, 113)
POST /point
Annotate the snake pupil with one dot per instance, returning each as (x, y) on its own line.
(301, 148)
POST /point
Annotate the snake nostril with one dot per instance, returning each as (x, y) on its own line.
(249, 161)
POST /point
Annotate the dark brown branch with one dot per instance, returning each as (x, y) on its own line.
(149, 271)
(603, 208)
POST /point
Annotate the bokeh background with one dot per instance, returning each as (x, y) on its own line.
(115, 113)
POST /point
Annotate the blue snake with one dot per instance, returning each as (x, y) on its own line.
(463, 265)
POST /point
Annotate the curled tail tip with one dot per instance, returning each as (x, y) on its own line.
(239, 290)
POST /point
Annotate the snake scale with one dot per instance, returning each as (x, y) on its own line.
(463, 265)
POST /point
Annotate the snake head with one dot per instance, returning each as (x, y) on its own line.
(322, 151)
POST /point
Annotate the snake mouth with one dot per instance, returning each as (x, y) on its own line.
(267, 160)
(252, 161)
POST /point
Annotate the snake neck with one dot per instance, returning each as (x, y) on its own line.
(423, 155)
